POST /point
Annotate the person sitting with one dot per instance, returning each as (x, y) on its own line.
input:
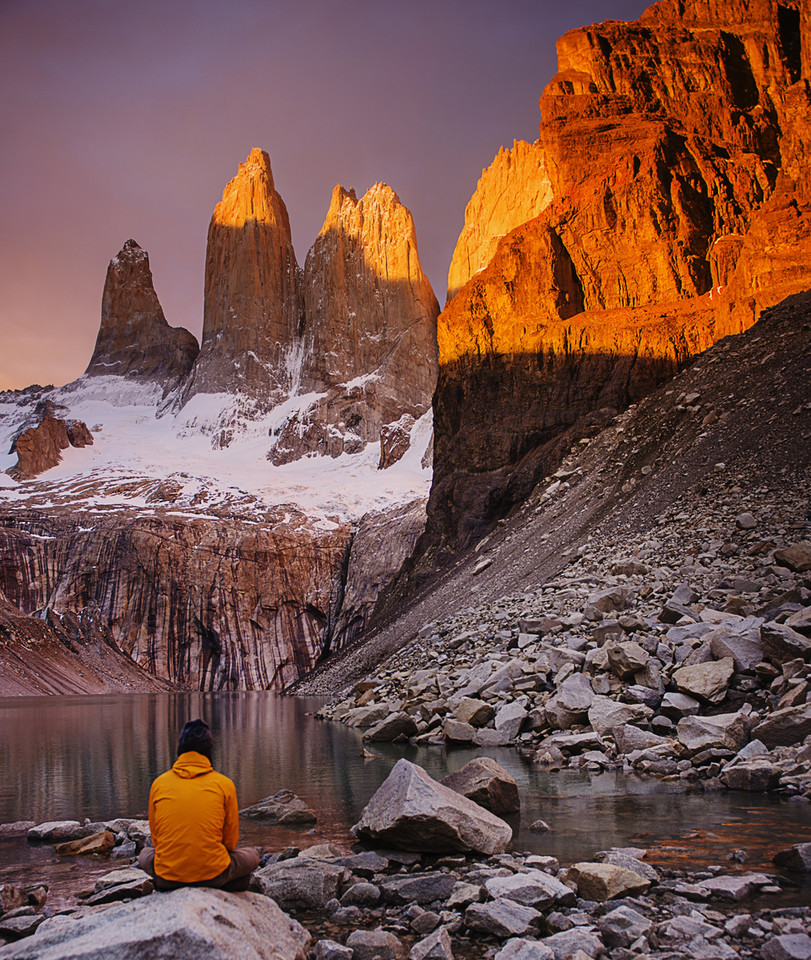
(194, 820)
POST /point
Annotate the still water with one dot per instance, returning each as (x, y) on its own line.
(95, 757)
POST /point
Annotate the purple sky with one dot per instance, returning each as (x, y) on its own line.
(127, 119)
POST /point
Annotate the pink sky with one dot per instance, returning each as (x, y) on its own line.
(126, 120)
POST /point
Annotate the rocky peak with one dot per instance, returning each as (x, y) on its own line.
(134, 339)
(513, 189)
(252, 306)
(369, 307)
(369, 337)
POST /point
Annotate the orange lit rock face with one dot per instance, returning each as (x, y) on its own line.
(676, 151)
(513, 189)
(253, 304)
(134, 339)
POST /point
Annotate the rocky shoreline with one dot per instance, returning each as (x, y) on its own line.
(680, 652)
(467, 897)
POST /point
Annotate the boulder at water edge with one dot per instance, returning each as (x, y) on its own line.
(487, 783)
(195, 924)
(411, 811)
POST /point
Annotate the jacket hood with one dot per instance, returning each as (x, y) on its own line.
(191, 764)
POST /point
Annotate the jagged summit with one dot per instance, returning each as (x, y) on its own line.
(134, 339)
(252, 309)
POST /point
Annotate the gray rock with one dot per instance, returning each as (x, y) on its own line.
(801, 621)
(784, 727)
(436, 946)
(367, 944)
(630, 738)
(501, 917)
(533, 888)
(781, 643)
(331, 950)
(510, 717)
(797, 857)
(418, 887)
(707, 681)
(689, 927)
(606, 881)
(283, 807)
(629, 862)
(57, 831)
(621, 927)
(361, 894)
(745, 648)
(732, 887)
(789, 946)
(518, 949)
(192, 923)
(300, 882)
(397, 726)
(606, 714)
(571, 703)
(726, 731)
(627, 658)
(756, 776)
(455, 731)
(412, 811)
(796, 557)
(473, 711)
(487, 783)
(567, 943)
(20, 926)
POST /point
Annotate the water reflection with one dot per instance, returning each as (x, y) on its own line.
(73, 757)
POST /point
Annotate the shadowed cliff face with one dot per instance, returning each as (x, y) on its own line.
(134, 339)
(676, 151)
(368, 342)
(208, 606)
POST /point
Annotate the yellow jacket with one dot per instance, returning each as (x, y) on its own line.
(194, 820)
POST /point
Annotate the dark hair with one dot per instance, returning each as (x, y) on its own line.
(195, 735)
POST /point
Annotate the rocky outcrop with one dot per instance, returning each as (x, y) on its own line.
(513, 189)
(368, 346)
(201, 601)
(40, 447)
(134, 339)
(253, 306)
(205, 605)
(676, 151)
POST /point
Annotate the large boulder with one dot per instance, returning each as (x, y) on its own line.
(726, 731)
(707, 681)
(487, 783)
(606, 881)
(744, 646)
(781, 643)
(301, 882)
(784, 727)
(283, 807)
(411, 811)
(571, 703)
(605, 714)
(796, 556)
(192, 923)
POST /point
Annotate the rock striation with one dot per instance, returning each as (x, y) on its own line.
(675, 147)
(513, 189)
(134, 339)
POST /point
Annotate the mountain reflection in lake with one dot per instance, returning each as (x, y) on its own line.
(76, 757)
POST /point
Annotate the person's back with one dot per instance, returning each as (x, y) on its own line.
(194, 820)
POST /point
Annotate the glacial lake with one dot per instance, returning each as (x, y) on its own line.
(95, 757)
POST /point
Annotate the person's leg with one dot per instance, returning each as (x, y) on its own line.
(146, 861)
(244, 860)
